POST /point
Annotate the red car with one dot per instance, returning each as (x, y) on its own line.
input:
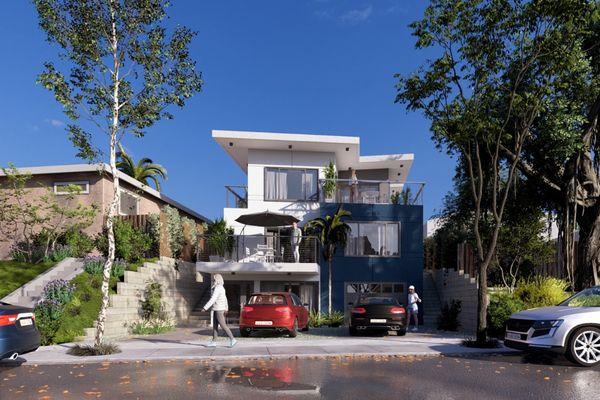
(274, 311)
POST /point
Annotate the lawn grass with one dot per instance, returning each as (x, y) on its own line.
(15, 274)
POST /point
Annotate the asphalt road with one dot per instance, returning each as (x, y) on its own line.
(492, 377)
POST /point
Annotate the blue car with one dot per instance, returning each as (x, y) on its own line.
(18, 334)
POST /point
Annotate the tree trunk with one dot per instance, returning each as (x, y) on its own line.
(329, 285)
(112, 210)
(588, 272)
(482, 302)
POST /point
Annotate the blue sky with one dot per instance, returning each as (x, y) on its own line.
(313, 66)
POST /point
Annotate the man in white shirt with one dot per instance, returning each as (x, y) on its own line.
(413, 307)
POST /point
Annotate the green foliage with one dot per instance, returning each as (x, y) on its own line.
(502, 306)
(448, 318)
(175, 237)
(79, 243)
(395, 198)
(152, 305)
(317, 319)
(190, 233)
(542, 291)
(335, 318)
(59, 253)
(131, 243)
(220, 237)
(153, 327)
(15, 274)
(332, 231)
(48, 314)
(330, 180)
(143, 171)
(153, 229)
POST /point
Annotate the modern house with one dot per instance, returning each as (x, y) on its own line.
(287, 175)
(95, 183)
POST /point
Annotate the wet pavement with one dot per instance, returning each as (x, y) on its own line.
(410, 377)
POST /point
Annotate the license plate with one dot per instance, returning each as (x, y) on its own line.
(263, 323)
(513, 336)
(26, 322)
(378, 321)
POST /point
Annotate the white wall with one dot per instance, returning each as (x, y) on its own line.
(257, 161)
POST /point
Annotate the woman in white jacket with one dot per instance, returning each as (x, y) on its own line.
(218, 301)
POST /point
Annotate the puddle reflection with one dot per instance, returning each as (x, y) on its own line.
(279, 379)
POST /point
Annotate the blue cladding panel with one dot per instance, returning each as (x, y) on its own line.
(407, 268)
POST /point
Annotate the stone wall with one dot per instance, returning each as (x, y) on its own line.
(452, 284)
(182, 288)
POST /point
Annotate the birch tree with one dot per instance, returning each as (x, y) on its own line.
(120, 70)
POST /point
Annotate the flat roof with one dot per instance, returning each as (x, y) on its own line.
(103, 167)
(345, 148)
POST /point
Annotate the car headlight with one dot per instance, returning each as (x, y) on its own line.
(552, 323)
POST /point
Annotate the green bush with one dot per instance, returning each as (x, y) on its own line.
(153, 327)
(336, 318)
(60, 252)
(316, 319)
(152, 306)
(502, 306)
(131, 244)
(79, 243)
(47, 319)
(59, 290)
(448, 318)
(541, 291)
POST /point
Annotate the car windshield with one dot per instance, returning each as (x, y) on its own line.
(267, 299)
(379, 300)
(586, 298)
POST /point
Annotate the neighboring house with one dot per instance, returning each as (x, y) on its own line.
(95, 181)
(286, 175)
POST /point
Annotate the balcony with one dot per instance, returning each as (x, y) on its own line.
(371, 192)
(263, 249)
(236, 196)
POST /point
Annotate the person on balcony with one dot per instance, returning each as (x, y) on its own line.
(353, 186)
(296, 239)
(218, 302)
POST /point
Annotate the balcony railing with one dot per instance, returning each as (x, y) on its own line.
(371, 192)
(236, 196)
(257, 248)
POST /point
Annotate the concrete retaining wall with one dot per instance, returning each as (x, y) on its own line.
(182, 288)
(452, 284)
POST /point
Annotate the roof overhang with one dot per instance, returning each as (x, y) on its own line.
(346, 150)
(257, 268)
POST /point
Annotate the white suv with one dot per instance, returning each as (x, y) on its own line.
(571, 328)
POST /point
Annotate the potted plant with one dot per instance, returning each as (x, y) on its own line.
(330, 185)
(219, 239)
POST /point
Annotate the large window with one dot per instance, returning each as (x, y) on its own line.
(380, 239)
(287, 184)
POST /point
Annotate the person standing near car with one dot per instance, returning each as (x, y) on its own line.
(218, 302)
(413, 307)
(296, 239)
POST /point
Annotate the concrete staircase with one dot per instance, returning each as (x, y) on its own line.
(29, 294)
(431, 301)
(182, 287)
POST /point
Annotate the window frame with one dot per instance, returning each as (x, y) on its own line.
(265, 169)
(358, 223)
(136, 196)
(67, 183)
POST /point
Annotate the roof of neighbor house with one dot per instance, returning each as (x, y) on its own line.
(102, 167)
(345, 148)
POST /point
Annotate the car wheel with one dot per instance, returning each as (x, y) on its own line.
(245, 332)
(353, 331)
(305, 329)
(584, 347)
(294, 331)
(401, 332)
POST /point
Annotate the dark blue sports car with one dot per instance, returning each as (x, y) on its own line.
(18, 334)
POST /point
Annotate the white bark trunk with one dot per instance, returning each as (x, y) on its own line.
(112, 210)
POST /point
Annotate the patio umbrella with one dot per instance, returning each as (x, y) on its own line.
(267, 219)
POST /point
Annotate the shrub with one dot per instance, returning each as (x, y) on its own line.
(152, 306)
(60, 252)
(502, 306)
(335, 319)
(175, 238)
(153, 327)
(59, 290)
(541, 291)
(448, 318)
(316, 319)
(131, 244)
(79, 243)
(93, 265)
(47, 319)
(153, 229)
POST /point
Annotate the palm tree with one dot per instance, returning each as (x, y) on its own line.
(332, 231)
(143, 171)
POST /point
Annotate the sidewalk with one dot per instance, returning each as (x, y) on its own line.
(185, 345)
